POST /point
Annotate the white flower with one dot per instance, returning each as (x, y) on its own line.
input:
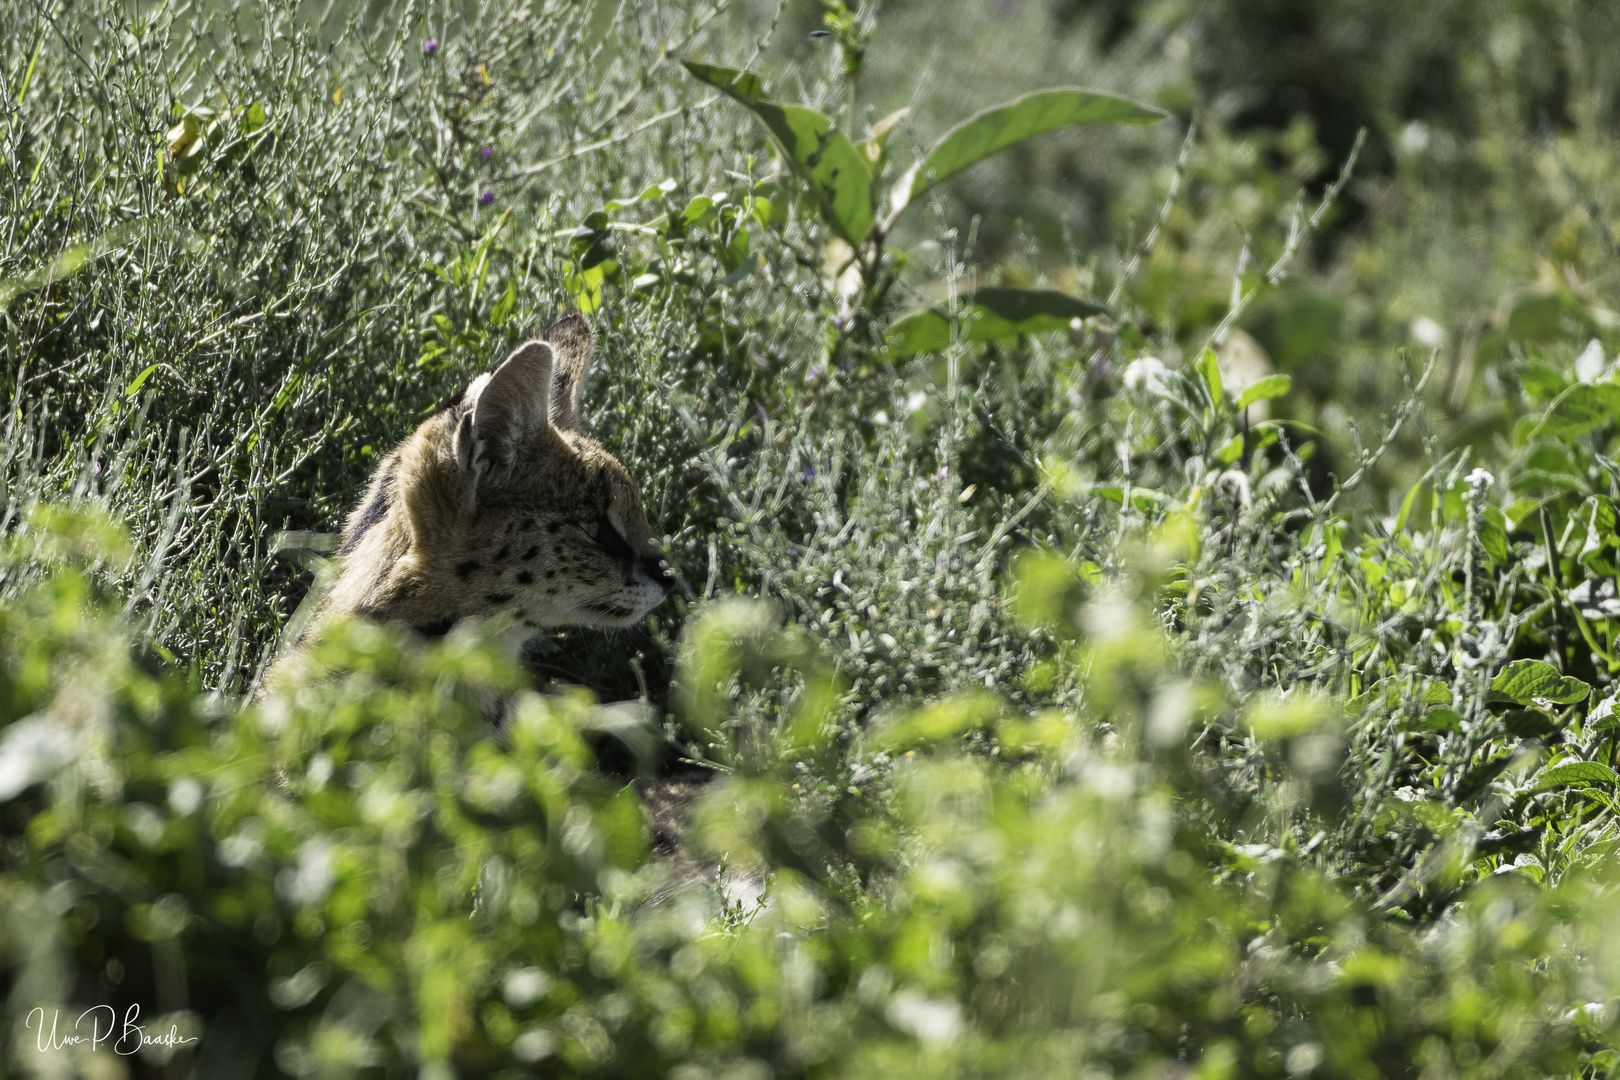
(1427, 332)
(1590, 364)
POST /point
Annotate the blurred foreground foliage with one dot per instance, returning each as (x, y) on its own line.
(354, 879)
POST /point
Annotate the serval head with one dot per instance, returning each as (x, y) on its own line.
(499, 504)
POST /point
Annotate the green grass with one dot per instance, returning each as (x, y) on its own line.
(1065, 716)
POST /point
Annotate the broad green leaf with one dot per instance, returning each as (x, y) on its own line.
(1477, 780)
(1525, 680)
(1272, 386)
(990, 314)
(586, 288)
(1209, 366)
(1537, 317)
(997, 128)
(253, 118)
(745, 86)
(1528, 723)
(1442, 718)
(819, 153)
(1260, 437)
(1580, 409)
(1577, 772)
(696, 210)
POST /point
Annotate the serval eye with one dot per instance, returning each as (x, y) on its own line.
(590, 528)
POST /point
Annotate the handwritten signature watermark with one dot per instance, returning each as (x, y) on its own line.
(126, 1039)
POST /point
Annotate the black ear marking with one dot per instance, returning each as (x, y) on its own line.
(376, 509)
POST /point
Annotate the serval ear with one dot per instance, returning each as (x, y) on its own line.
(570, 338)
(506, 408)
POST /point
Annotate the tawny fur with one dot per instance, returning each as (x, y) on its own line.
(497, 504)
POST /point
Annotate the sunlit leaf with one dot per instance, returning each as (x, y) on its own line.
(139, 381)
(1209, 368)
(995, 129)
(823, 156)
(745, 86)
(1272, 386)
(1577, 772)
(1524, 681)
(253, 118)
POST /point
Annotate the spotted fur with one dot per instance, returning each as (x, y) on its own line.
(498, 504)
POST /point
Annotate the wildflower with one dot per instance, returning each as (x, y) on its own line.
(816, 371)
(808, 474)
(487, 197)
(486, 152)
(1427, 332)
(430, 46)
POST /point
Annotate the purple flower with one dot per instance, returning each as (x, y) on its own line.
(95, 469)
(430, 46)
(808, 474)
(817, 371)
(487, 197)
(486, 152)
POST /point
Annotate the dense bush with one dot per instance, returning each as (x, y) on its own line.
(1102, 704)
